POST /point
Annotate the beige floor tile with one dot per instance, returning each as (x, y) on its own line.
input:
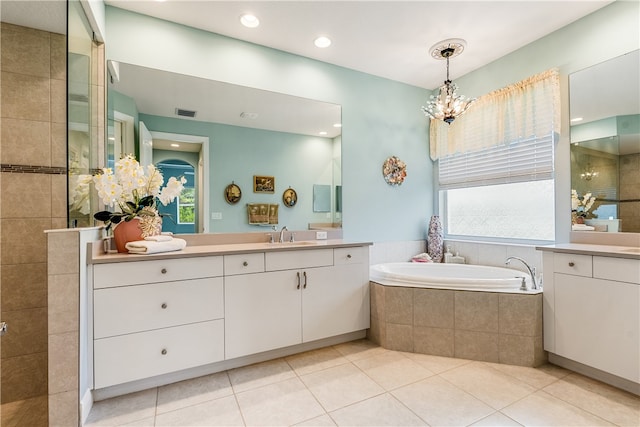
(360, 349)
(191, 392)
(436, 364)
(340, 386)
(614, 405)
(147, 422)
(219, 412)
(497, 419)
(123, 409)
(260, 374)
(538, 377)
(542, 409)
(284, 403)
(383, 410)
(440, 403)
(491, 386)
(321, 421)
(392, 370)
(315, 360)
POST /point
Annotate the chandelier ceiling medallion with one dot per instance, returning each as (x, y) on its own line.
(447, 105)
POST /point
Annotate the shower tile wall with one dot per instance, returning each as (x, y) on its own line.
(32, 199)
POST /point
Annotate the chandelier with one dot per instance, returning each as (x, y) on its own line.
(589, 173)
(447, 105)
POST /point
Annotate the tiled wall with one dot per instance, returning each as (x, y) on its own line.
(630, 205)
(32, 199)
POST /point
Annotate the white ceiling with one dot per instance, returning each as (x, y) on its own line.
(390, 39)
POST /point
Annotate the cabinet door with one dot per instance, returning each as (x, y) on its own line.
(335, 301)
(262, 312)
(598, 324)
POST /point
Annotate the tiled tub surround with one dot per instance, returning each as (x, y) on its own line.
(484, 326)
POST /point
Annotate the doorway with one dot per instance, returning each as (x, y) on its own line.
(173, 153)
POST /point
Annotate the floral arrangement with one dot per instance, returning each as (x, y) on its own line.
(394, 171)
(134, 192)
(581, 206)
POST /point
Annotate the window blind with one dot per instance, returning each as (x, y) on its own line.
(528, 159)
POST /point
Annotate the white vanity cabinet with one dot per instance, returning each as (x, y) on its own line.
(145, 326)
(157, 321)
(592, 311)
(300, 297)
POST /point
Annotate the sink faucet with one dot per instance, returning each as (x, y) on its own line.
(532, 271)
(281, 240)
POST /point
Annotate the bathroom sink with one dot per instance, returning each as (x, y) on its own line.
(301, 243)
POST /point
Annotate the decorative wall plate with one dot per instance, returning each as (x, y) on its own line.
(290, 197)
(232, 194)
(394, 171)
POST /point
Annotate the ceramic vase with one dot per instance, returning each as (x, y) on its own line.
(127, 231)
(435, 239)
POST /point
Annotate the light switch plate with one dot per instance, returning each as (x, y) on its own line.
(216, 215)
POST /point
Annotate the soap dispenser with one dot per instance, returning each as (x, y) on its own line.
(448, 255)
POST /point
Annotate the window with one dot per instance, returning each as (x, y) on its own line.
(186, 206)
(495, 183)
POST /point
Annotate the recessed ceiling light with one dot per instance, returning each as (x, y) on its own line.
(577, 119)
(175, 145)
(337, 125)
(249, 20)
(322, 42)
(322, 133)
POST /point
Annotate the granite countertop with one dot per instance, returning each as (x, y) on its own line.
(99, 257)
(594, 249)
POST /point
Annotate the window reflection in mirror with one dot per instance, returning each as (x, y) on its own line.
(605, 141)
(250, 131)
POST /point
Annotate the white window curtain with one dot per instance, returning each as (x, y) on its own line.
(516, 113)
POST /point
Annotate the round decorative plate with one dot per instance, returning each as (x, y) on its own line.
(290, 197)
(394, 171)
(232, 194)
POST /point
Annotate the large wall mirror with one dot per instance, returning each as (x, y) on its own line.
(605, 141)
(220, 135)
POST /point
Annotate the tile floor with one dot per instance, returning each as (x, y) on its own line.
(361, 384)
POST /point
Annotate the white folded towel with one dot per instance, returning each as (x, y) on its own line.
(154, 247)
(159, 238)
(582, 227)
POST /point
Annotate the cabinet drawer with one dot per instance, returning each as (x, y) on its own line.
(289, 260)
(243, 264)
(356, 255)
(140, 272)
(132, 357)
(577, 265)
(128, 309)
(618, 269)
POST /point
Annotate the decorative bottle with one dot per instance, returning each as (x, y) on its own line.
(435, 239)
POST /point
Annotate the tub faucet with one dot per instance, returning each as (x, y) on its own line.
(532, 271)
(281, 240)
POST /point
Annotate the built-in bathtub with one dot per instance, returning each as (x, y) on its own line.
(457, 310)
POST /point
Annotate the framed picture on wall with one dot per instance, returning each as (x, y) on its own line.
(264, 184)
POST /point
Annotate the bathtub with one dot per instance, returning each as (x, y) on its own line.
(456, 310)
(461, 277)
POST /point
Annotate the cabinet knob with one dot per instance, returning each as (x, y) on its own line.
(164, 305)
(349, 256)
(571, 264)
(163, 271)
(245, 263)
(164, 351)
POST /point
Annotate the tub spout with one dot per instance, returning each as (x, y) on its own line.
(532, 271)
